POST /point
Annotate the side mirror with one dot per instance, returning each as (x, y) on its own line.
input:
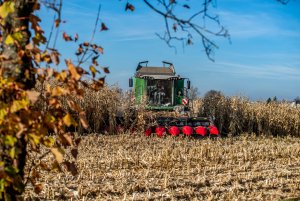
(130, 82)
(188, 84)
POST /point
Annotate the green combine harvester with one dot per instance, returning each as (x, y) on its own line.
(161, 89)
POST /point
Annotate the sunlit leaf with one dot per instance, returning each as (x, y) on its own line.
(18, 36)
(58, 154)
(68, 138)
(10, 140)
(48, 141)
(12, 152)
(6, 8)
(73, 71)
(58, 91)
(93, 70)
(33, 96)
(3, 113)
(34, 139)
(68, 120)
(55, 57)
(19, 104)
(9, 40)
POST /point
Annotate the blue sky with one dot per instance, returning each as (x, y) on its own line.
(262, 60)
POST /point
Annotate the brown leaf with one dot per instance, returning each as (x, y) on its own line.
(76, 37)
(68, 139)
(83, 120)
(73, 71)
(175, 27)
(55, 57)
(77, 141)
(94, 46)
(38, 188)
(58, 155)
(129, 7)
(71, 167)
(79, 50)
(74, 106)
(94, 60)
(106, 70)
(33, 96)
(103, 27)
(66, 37)
(100, 49)
(86, 44)
(57, 22)
(74, 153)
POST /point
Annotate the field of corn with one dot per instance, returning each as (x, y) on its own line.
(233, 115)
(258, 160)
(134, 167)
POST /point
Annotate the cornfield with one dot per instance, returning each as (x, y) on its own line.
(261, 161)
(133, 167)
(233, 115)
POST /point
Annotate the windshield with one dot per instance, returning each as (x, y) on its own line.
(159, 92)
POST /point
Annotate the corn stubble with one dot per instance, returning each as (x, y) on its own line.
(133, 167)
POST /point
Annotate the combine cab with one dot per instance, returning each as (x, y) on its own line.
(161, 90)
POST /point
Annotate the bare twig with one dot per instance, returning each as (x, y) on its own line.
(185, 27)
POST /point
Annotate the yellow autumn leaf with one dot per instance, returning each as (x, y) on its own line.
(6, 8)
(9, 40)
(68, 120)
(3, 111)
(12, 152)
(34, 139)
(48, 141)
(93, 70)
(58, 154)
(73, 71)
(19, 104)
(58, 91)
(17, 36)
(10, 140)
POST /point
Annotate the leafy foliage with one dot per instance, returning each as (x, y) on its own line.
(22, 124)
